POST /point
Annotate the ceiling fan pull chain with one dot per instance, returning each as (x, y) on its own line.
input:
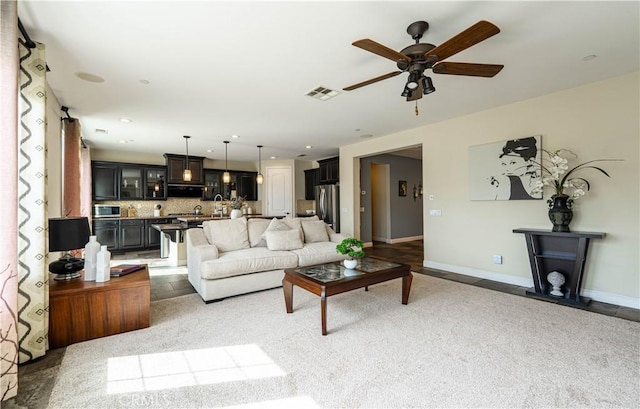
(417, 112)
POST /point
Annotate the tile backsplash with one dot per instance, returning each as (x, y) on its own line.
(144, 208)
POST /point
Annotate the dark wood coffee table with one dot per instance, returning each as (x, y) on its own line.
(81, 310)
(330, 279)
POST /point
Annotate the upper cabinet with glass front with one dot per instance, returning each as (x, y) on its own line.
(131, 186)
(155, 182)
(128, 181)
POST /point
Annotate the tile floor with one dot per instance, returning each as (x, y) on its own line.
(36, 378)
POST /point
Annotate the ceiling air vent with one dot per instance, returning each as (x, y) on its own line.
(322, 93)
(302, 155)
(103, 131)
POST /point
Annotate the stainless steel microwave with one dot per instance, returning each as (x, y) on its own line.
(101, 210)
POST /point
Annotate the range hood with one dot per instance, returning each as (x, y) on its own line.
(184, 190)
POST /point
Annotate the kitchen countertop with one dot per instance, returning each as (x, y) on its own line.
(204, 218)
(134, 218)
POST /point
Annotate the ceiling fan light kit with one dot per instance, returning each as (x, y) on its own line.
(419, 57)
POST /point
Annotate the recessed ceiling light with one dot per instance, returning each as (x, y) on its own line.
(308, 146)
(235, 136)
(209, 150)
(125, 120)
(589, 57)
(127, 141)
(273, 157)
(89, 77)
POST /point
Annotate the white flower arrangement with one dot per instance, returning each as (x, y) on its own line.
(558, 176)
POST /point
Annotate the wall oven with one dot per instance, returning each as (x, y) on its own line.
(101, 210)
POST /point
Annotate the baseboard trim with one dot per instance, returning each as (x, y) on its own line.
(596, 295)
(405, 239)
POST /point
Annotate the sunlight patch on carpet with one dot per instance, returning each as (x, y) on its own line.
(168, 370)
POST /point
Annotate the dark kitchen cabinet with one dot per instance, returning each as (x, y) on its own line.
(176, 164)
(311, 180)
(243, 183)
(132, 234)
(212, 184)
(155, 182)
(105, 180)
(128, 181)
(131, 182)
(107, 233)
(247, 185)
(329, 170)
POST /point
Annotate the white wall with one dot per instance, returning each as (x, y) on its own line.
(598, 120)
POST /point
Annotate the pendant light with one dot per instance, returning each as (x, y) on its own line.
(186, 174)
(259, 178)
(226, 176)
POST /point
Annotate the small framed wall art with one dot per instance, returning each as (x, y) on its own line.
(402, 188)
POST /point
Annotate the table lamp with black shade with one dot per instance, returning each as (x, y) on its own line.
(65, 234)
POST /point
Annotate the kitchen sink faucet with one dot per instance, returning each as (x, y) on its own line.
(214, 204)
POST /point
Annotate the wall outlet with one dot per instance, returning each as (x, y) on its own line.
(497, 259)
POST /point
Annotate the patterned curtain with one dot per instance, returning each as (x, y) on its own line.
(33, 275)
(8, 205)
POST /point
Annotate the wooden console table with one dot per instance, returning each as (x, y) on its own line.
(81, 310)
(563, 252)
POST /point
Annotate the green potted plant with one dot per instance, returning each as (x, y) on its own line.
(353, 249)
(236, 206)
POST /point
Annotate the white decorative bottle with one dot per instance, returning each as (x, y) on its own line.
(103, 270)
(91, 250)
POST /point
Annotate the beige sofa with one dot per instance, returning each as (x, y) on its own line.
(238, 256)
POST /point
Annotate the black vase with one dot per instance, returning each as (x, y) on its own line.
(560, 212)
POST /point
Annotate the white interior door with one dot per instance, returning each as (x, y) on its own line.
(279, 191)
(380, 203)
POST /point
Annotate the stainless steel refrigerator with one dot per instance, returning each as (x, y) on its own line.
(328, 205)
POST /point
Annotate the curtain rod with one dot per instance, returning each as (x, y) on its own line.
(28, 42)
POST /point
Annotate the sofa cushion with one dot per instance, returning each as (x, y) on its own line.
(247, 261)
(317, 253)
(256, 228)
(275, 225)
(294, 223)
(314, 231)
(229, 235)
(283, 240)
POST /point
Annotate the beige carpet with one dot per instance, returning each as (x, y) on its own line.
(453, 345)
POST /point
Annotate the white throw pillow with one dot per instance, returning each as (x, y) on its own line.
(256, 229)
(283, 240)
(314, 231)
(229, 235)
(294, 224)
(275, 225)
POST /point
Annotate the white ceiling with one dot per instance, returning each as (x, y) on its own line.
(222, 68)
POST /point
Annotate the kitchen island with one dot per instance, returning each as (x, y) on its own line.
(173, 246)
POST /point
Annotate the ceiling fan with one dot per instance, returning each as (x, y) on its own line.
(418, 57)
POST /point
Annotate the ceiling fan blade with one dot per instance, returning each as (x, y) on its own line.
(465, 68)
(379, 49)
(371, 81)
(471, 36)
